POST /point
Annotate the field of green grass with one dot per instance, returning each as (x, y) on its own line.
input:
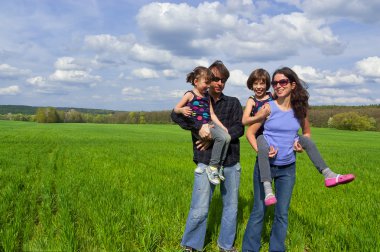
(93, 187)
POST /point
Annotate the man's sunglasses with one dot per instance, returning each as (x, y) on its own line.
(282, 82)
(217, 79)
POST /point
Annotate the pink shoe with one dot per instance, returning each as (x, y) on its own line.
(340, 179)
(270, 199)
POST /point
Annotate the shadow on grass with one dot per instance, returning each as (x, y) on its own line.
(215, 215)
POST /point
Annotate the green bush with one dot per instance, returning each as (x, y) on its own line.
(352, 121)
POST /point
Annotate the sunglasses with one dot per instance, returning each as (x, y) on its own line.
(217, 79)
(282, 82)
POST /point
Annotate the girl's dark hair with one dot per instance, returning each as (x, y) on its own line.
(197, 73)
(299, 98)
(258, 75)
(222, 69)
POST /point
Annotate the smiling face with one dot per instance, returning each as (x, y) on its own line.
(201, 85)
(282, 86)
(260, 88)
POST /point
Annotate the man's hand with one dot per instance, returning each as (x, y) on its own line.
(272, 152)
(297, 147)
(204, 132)
(203, 144)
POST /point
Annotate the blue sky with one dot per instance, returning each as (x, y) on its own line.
(134, 55)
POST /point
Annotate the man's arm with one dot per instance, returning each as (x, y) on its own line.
(184, 122)
(236, 129)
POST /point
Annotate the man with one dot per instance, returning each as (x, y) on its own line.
(229, 111)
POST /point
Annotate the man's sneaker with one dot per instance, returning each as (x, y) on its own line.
(221, 172)
(213, 175)
(188, 249)
(228, 250)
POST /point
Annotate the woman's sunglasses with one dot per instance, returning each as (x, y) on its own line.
(282, 82)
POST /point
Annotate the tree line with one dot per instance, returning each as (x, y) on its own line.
(343, 117)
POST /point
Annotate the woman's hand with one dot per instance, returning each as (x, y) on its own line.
(272, 152)
(297, 146)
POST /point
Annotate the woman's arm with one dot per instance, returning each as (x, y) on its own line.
(306, 131)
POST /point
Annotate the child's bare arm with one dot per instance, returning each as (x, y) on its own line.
(260, 115)
(251, 135)
(180, 108)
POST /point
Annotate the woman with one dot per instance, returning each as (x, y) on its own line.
(288, 113)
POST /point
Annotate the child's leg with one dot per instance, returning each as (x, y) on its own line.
(221, 139)
(311, 149)
(262, 155)
(331, 178)
(264, 168)
(219, 151)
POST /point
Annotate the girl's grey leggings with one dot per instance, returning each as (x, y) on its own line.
(307, 144)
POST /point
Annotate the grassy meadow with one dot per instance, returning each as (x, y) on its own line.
(104, 187)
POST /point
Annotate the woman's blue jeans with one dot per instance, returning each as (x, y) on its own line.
(196, 224)
(284, 180)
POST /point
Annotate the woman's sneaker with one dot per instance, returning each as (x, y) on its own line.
(213, 175)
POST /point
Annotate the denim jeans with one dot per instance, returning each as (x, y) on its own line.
(284, 180)
(196, 224)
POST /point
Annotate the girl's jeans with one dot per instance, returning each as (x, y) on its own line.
(196, 224)
(284, 180)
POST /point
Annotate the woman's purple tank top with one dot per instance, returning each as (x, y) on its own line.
(280, 131)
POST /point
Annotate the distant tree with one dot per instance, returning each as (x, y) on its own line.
(47, 115)
(132, 117)
(352, 121)
(142, 118)
(73, 116)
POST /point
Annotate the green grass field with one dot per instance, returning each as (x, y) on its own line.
(91, 187)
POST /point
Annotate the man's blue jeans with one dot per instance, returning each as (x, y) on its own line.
(196, 224)
(284, 180)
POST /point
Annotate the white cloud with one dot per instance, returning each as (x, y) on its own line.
(210, 30)
(37, 81)
(170, 73)
(363, 11)
(238, 78)
(67, 63)
(369, 67)
(131, 91)
(326, 78)
(11, 90)
(145, 73)
(176, 93)
(7, 71)
(151, 55)
(106, 42)
(74, 76)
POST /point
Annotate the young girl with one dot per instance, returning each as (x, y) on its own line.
(196, 104)
(259, 82)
